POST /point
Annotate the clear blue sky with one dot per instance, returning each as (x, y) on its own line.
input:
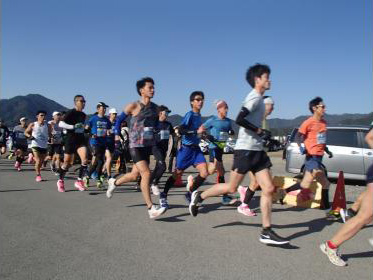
(101, 48)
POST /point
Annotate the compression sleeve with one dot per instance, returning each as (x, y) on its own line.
(241, 121)
(118, 123)
(65, 125)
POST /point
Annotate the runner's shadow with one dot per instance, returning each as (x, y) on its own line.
(367, 254)
(173, 219)
(25, 190)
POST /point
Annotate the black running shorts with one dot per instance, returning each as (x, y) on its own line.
(254, 161)
(217, 154)
(23, 148)
(73, 143)
(370, 175)
(55, 149)
(41, 151)
(141, 153)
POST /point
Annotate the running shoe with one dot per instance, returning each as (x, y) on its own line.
(227, 200)
(111, 187)
(242, 192)
(156, 211)
(53, 168)
(187, 197)
(190, 182)
(332, 215)
(155, 189)
(193, 206)
(61, 185)
(268, 236)
(99, 184)
(344, 215)
(333, 255)
(38, 178)
(86, 182)
(17, 165)
(163, 200)
(245, 210)
(79, 184)
(30, 158)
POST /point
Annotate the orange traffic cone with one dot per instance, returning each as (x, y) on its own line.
(339, 201)
(179, 181)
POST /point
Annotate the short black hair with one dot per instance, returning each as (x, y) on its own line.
(41, 112)
(78, 96)
(194, 94)
(314, 102)
(256, 71)
(141, 83)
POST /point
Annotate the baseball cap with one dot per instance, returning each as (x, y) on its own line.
(22, 119)
(113, 111)
(55, 113)
(221, 103)
(101, 104)
(164, 108)
(268, 100)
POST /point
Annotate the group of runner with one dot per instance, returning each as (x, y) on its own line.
(149, 132)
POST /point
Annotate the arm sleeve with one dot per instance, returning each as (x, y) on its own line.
(118, 123)
(65, 125)
(241, 121)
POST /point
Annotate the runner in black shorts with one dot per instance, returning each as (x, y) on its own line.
(4, 134)
(249, 155)
(75, 141)
(20, 143)
(144, 119)
(110, 143)
(55, 146)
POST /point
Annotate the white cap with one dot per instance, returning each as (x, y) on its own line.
(268, 100)
(113, 111)
(55, 113)
(22, 119)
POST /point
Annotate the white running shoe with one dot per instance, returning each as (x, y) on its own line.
(333, 255)
(156, 211)
(155, 189)
(111, 187)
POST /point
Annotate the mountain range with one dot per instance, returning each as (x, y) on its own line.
(11, 110)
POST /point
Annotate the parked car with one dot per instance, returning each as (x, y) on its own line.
(350, 153)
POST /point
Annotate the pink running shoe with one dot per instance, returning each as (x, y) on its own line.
(38, 178)
(30, 158)
(61, 185)
(17, 165)
(245, 210)
(79, 184)
(242, 192)
(190, 182)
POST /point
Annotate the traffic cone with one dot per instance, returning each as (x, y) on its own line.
(339, 201)
(178, 181)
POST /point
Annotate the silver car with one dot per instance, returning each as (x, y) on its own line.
(350, 153)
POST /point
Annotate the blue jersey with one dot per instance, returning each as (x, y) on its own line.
(191, 121)
(218, 128)
(99, 127)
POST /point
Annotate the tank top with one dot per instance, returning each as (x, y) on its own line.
(56, 133)
(142, 126)
(40, 133)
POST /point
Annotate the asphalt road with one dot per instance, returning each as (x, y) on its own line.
(83, 235)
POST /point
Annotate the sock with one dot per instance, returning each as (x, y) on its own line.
(199, 199)
(61, 173)
(248, 196)
(221, 179)
(351, 212)
(325, 198)
(82, 171)
(170, 182)
(331, 245)
(266, 228)
(198, 181)
(294, 187)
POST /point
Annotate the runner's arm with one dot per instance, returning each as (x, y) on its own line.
(241, 121)
(64, 125)
(28, 130)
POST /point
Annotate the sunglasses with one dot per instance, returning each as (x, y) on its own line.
(80, 100)
(198, 99)
(322, 106)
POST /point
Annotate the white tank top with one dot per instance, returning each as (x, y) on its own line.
(40, 133)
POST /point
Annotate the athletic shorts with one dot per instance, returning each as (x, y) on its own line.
(141, 153)
(217, 154)
(110, 146)
(41, 151)
(98, 150)
(72, 144)
(370, 175)
(188, 156)
(313, 163)
(55, 149)
(23, 148)
(254, 161)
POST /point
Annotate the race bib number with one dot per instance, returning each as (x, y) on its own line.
(21, 136)
(164, 134)
(101, 132)
(321, 138)
(148, 133)
(223, 136)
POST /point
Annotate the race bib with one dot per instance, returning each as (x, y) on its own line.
(148, 133)
(101, 132)
(321, 138)
(164, 134)
(223, 136)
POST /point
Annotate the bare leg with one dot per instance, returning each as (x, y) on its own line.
(264, 179)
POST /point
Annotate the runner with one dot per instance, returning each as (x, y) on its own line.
(189, 152)
(247, 193)
(363, 217)
(164, 131)
(144, 119)
(219, 128)
(110, 143)
(100, 127)
(20, 143)
(55, 147)
(75, 141)
(4, 134)
(313, 133)
(38, 132)
(249, 155)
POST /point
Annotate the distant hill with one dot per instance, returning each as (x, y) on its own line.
(11, 110)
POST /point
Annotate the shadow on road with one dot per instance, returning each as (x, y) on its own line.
(367, 254)
(23, 190)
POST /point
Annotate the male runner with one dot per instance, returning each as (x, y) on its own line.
(164, 131)
(249, 155)
(363, 217)
(144, 119)
(219, 128)
(75, 141)
(313, 133)
(20, 142)
(38, 132)
(189, 152)
(55, 147)
(4, 134)
(110, 142)
(100, 127)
